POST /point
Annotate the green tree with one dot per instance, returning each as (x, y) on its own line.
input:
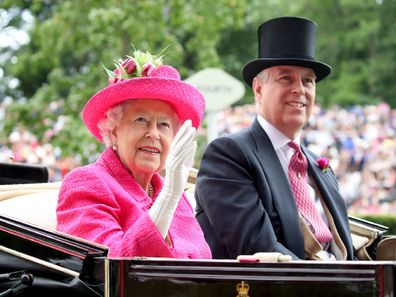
(59, 69)
(357, 39)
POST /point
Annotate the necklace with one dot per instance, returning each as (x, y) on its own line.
(151, 190)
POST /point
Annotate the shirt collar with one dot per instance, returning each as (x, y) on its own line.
(277, 138)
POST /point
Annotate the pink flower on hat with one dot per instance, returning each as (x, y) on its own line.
(323, 164)
(148, 69)
(113, 80)
(117, 77)
(129, 64)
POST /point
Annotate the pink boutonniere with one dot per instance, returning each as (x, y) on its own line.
(323, 164)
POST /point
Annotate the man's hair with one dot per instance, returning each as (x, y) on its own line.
(263, 75)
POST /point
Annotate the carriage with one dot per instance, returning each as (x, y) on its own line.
(36, 260)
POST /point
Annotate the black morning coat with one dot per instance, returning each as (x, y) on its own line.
(244, 201)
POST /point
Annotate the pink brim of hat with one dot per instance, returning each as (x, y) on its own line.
(187, 101)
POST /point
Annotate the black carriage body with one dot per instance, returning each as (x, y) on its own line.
(166, 278)
(62, 265)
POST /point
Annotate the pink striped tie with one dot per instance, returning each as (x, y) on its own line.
(298, 181)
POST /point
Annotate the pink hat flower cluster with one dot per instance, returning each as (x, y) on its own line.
(140, 64)
(143, 76)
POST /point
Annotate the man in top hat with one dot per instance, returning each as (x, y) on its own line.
(259, 190)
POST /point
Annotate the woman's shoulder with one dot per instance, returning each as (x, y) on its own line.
(90, 175)
(90, 170)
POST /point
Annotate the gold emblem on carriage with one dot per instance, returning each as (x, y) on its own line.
(242, 289)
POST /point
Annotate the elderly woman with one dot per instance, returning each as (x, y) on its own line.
(147, 117)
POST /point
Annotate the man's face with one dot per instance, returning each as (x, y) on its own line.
(285, 96)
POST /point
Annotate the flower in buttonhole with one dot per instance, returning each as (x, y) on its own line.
(323, 164)
(139, 64)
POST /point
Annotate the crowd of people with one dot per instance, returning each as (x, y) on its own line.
(360, 143)
(22, 146)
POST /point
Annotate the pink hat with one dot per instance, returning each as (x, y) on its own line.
(143, 76)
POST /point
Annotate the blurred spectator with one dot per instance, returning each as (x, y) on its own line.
(360, 142)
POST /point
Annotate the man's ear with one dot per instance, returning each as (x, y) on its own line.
(256, 87)
(255, 83)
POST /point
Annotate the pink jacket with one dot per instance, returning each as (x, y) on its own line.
(102, 202)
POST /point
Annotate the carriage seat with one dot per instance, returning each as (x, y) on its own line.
(31, 203)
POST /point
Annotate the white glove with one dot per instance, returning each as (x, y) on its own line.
(178, 165)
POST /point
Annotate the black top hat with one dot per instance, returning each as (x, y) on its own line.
(286, 41)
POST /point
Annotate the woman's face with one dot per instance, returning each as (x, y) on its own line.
(144, 135)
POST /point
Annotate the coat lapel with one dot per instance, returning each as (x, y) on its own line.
(281, 193)
(328, 187)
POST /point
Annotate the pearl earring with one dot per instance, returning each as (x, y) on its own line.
(114, 147)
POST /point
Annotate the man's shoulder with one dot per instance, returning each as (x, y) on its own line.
(240, 135)
(233, 145)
